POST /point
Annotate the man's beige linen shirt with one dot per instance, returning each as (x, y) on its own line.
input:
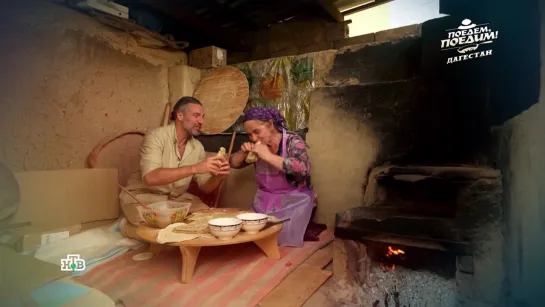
(159, 149)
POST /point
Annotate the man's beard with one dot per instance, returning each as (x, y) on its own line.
(195, 133)
(192, 132)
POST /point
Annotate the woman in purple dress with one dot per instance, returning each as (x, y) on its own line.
(282, 174)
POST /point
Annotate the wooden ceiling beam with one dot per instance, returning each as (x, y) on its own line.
(366, 6)
(228, 13)
(229, 39)
(331, 9)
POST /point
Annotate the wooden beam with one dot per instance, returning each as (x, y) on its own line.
(363, 7)
(331, 9)
(229, 39)
(229, 13)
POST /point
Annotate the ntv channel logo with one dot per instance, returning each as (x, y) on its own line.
(466, 40)
(73, 263)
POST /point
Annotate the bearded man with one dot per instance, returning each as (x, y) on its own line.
(170, 158)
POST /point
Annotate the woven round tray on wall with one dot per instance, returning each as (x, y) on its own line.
(224, 94)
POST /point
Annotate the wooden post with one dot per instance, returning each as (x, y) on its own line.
(228, 156)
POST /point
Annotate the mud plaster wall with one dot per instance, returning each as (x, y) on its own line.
(377, 108)
(522, 161)
(68, 81)
(183, 81)
(342, 148)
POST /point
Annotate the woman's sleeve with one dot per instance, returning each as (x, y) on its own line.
(296, 162)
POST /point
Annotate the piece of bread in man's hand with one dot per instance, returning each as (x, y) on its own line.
(222, 153)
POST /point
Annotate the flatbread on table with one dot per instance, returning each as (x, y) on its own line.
(167, 235)
(197, 222)
(192, 228)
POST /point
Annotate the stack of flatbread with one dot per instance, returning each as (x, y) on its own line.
(168, 235)
(197, 222)
(194, 226)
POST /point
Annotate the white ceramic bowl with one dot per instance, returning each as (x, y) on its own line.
(225, 228)
(164, 213)
(253, 222)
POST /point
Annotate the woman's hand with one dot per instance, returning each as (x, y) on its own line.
(262, 151)
(246, 148)
(237, 159)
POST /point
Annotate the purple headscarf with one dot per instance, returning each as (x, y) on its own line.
(266, 114)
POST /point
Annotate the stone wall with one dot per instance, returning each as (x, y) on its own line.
(291, 38)
(386, 113)
(300, 37)
(521, 158)
(68, 82)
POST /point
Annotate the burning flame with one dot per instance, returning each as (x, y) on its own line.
(391, 252)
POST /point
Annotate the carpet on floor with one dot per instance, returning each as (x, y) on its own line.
(227, 276)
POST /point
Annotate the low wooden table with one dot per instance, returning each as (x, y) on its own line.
(266, 239)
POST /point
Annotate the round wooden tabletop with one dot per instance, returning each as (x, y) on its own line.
(150, 234)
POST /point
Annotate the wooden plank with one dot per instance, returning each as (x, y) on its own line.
(363, 7)
(302, 282)
(321, 258)
(296, 288)
(229, 39)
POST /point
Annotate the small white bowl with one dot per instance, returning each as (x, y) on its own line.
(225, 228)
(252, 223)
